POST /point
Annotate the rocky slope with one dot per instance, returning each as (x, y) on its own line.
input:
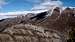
(52, 28)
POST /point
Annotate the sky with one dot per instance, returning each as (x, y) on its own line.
(26, 5)
(68, 3)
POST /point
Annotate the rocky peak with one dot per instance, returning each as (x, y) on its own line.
(56, 13)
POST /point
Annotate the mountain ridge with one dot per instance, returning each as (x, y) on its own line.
(23, 28)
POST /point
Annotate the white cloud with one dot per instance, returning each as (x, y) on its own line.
(17, 13)
(2, 3)
(21, 12)
(46, 4)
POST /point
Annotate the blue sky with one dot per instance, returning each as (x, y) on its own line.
(21, 5)
(69, 2)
